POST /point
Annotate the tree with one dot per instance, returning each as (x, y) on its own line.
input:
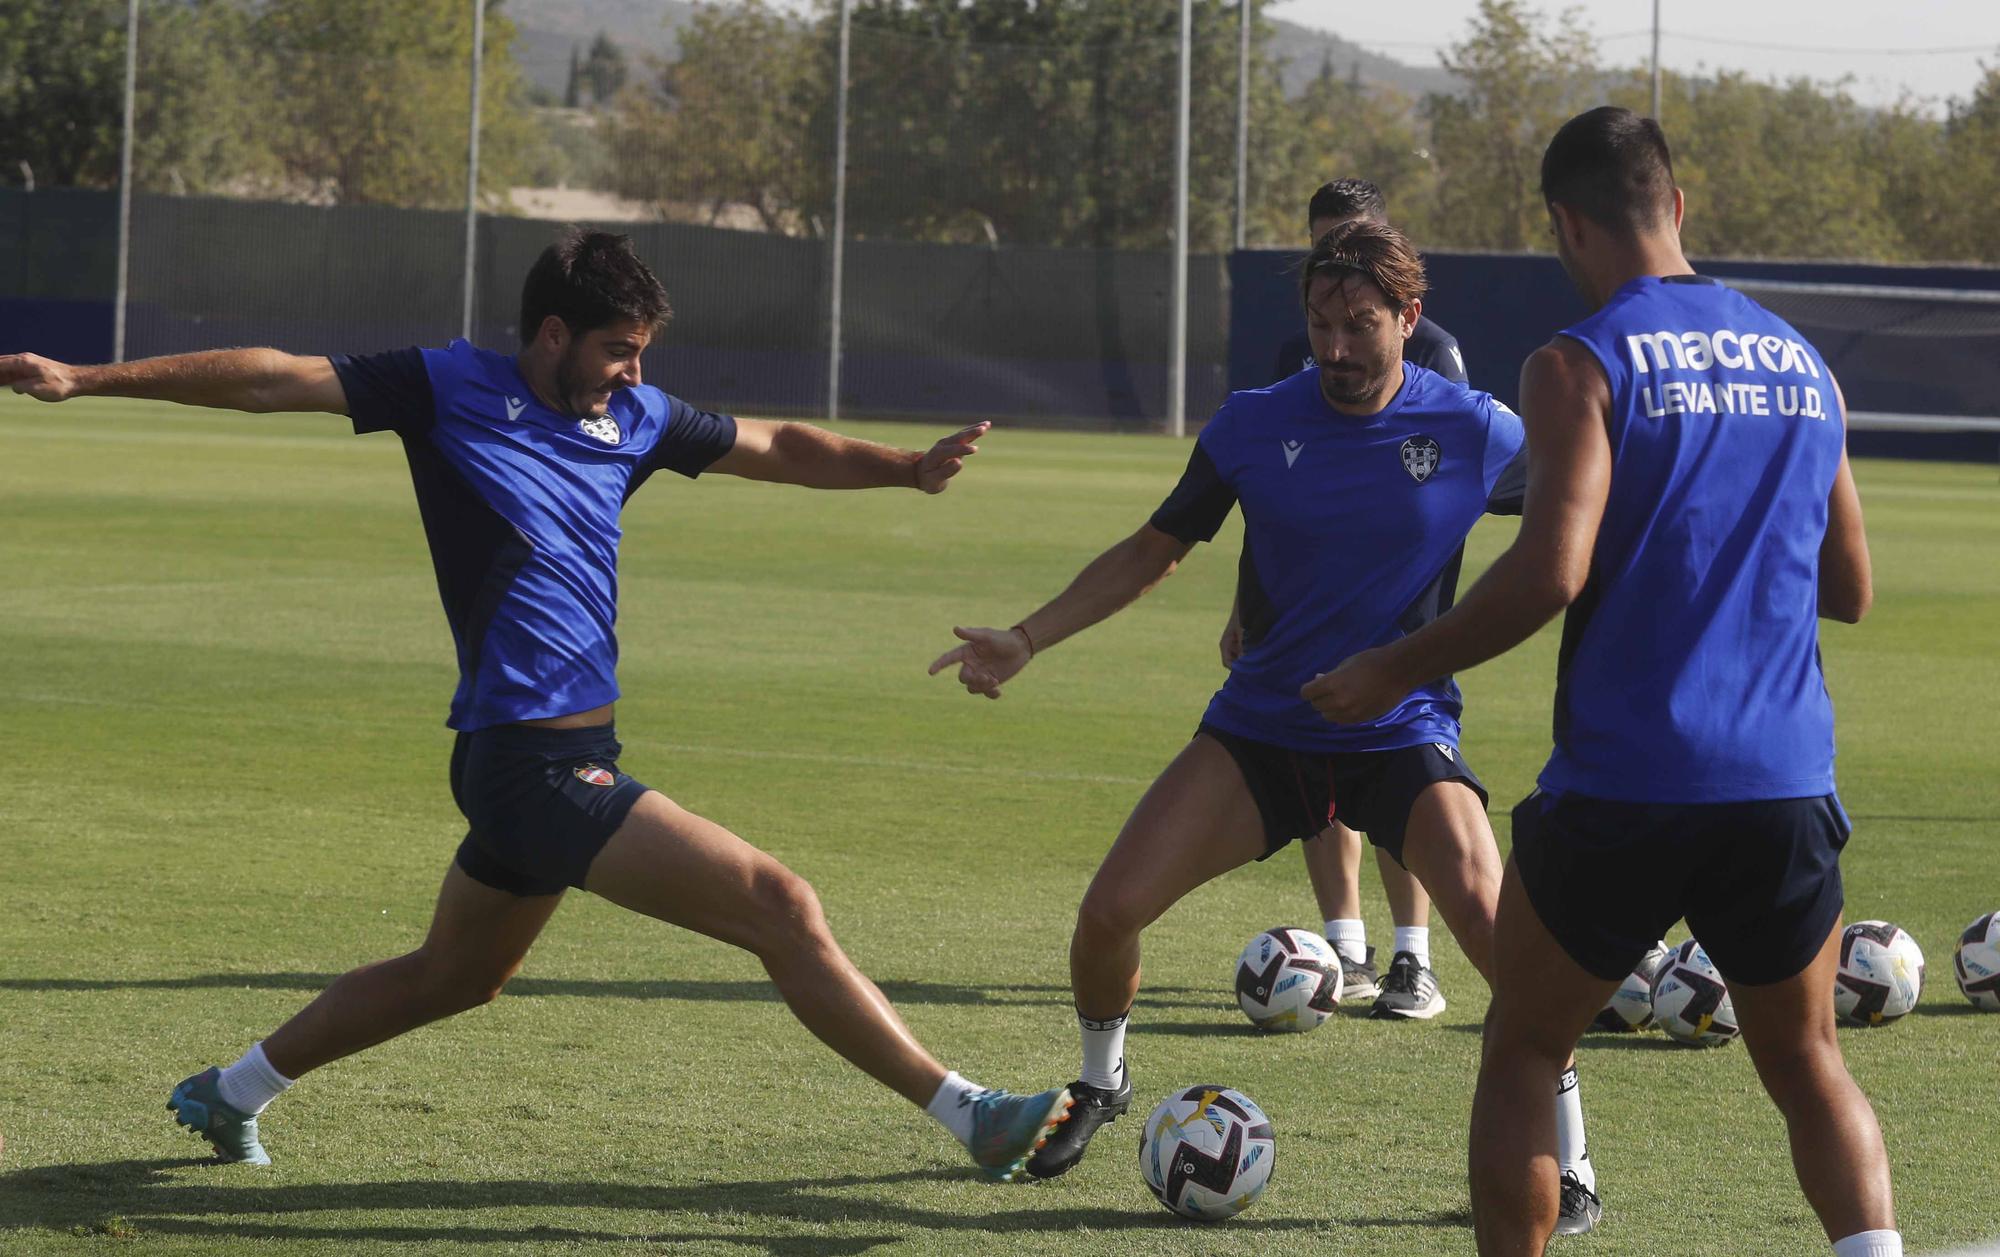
(1972, 155)
(375, 94)
(1522, 81)
(198, 99)
(604, 69)
(1340, 127)
(735, 121)
(1778, 171)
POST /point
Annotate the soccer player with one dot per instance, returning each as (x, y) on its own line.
(1359, 482)
(1690, 504)
(1409, 991)
(521, 464)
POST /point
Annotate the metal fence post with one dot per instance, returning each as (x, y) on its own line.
(125, 184)
(472, 165)
(839, 217)
(1177, 362)
(1242, 121)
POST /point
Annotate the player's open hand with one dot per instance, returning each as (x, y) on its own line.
(947, 458)
(1363, 687)
(989, 657)
(43, 379)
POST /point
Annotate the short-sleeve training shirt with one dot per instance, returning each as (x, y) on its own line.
(521, 508)
(1354, 529)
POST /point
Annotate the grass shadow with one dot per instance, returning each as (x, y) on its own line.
(1637, 1043)
(134, 1197)
(1965, 1009)
(1202, 1029)
(999, 996)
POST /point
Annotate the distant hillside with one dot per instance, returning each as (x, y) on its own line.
(550, 28)
(1301, 51)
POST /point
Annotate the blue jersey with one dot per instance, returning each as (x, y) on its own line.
(1354, 528)
(521, 505)
(1690, 665)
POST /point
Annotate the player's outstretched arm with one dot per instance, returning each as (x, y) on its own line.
(1565, 404)
(258, 380)
(1846, 577)
(798, 453)
(990, 657)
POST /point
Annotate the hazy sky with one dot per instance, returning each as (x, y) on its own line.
(1888, 46)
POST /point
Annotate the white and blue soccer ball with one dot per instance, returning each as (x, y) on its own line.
(1691, 1001)
(1207, 1152)
(1288, 980)
(1975, 962)
(1881, 974)
(1631, 1005)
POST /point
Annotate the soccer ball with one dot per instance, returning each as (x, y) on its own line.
(1690, 1001)
(1207, 1152)
(1631, 1005)
(1288, 979)
(1881, 974)
(1975, 962)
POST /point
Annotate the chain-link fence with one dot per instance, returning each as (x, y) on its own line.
(1004, 232)
(300, 167)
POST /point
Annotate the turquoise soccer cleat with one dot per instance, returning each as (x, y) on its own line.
(198, 1105)
(1006, 1129)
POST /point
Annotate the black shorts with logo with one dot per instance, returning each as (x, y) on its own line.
(1300, 793)
(541, 804)
(1759, 883)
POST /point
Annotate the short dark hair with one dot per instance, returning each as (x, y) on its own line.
(1373, 250)
(1611, 166)
(591, 279)
(1347, 198)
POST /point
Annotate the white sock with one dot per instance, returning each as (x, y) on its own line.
(1572, 1152)
(952, 1106)
(251, 1084)
(1415, 939)
(1349, 937)
(1103, 1050)
(1870, 1244)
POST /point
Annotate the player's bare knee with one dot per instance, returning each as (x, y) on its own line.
(1800, 1071)
(451, 984)
(1109, 916)
(787, 906)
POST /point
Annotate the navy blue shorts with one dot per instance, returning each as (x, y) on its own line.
(1300, 793)
(541, 804)
(1759, 883)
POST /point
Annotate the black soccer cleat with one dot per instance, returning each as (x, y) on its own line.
(1095, 1107)
(1359, 981)
(1409, 992)
(1580, 1209)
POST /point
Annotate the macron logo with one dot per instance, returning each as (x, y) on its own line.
(514, 408)
(1292, 449)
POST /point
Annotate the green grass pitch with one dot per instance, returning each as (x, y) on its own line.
(224, 683)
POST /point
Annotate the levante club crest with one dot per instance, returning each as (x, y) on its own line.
(1420, 457)
(592, 775)
(603, 427)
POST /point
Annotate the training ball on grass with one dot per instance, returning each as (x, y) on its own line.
(1881, 974)
(1207, 1152)
(1975, 962)
(1690, 1001)
(1631, 1005)
(1288, 979)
